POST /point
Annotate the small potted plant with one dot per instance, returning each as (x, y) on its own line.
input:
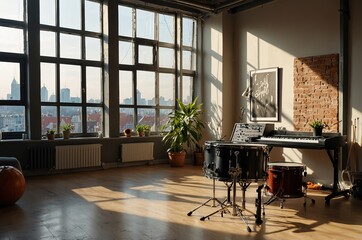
(127, 132)
(317, 126)
(66, 128)
(147, 129)
(50, 134)
(140, 129)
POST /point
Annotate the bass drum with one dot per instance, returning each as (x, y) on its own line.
(285, 179)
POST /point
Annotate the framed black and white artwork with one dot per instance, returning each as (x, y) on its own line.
(264, 95)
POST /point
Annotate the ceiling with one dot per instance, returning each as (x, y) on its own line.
(206, 7)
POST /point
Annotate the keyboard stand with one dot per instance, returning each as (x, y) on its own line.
(335, 191)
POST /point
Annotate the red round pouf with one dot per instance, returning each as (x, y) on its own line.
(12, 185)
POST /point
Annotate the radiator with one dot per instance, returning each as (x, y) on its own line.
(133, 152)
(77, 156)
(41, 157)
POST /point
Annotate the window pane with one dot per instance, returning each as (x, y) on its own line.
(166, 57)
(70, 46)
(12, 10)
(188, 32)
(94, 84)
(125, 21)
(145, 22)
(145, 88)
(72, 115)
(164, 116)
(12, 118)
(48, 82)
(126, 53)
(70, 83)
(9, 81)
(47, 12)
(94, 120)
(125, 87)
(93, 49)
(126, 116)
(47, 43)
(187, 89)
(147, 116)
(167, 89)
(49, 119)
(11, 40)
(92, 16)
(188, 60)
(145, 54)
(166, 28)
(69, 13)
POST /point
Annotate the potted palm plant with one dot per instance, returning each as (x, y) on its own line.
(182, 129)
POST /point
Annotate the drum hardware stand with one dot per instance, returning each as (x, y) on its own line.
(236, 209)
(213, 199)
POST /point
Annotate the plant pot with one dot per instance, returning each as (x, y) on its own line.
(66, 134)
(140, 134)
(147, 133)
(317, 132)
(127, 132)
(199, 158)
(51, 136)
(177, 159)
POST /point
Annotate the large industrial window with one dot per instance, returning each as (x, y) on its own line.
(153, 71)
(71, 68)
(52, 63)
(12, 69)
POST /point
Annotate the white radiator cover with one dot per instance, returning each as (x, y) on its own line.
(133, 152)
(77, 156)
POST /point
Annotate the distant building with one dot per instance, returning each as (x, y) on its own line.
(65, 95)
(44, 94)
(15, 91)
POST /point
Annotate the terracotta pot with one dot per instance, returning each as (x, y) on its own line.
(140, 134)
(199, 158)
(51, 136)
(177, 159)
(66, 134)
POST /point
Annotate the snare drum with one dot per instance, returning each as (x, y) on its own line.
(221, 156)
(285, 179)
(216, 164)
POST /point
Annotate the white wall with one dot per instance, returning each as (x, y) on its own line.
(355, 73)
(217, 76)
(273, 35)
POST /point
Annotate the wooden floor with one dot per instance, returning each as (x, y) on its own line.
(152, 202)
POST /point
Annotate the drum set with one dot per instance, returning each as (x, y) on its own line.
(245, 163)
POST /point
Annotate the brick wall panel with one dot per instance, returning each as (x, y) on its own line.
(316, 91)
